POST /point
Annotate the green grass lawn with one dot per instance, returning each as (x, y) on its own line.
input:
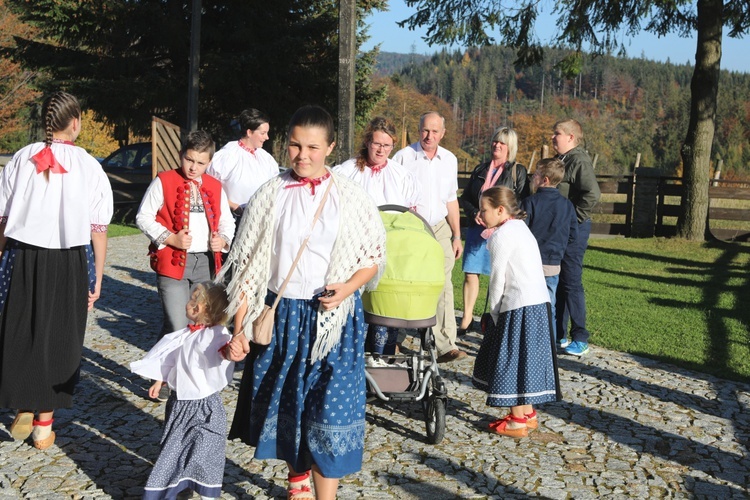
(115, 230)
(682, 302)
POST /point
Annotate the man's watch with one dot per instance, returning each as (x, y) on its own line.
(454, 238)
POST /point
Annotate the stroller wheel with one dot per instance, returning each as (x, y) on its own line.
(434, 416)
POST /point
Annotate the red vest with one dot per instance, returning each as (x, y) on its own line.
(175, 216)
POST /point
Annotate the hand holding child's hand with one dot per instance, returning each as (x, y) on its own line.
(153, 391)
(238, 348)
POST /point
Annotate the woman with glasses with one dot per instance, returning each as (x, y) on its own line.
(388, 183)
(501, 170)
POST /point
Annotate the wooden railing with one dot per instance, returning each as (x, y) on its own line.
(619, 209)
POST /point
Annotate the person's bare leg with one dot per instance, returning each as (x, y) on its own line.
(325, 487)
(471, 290)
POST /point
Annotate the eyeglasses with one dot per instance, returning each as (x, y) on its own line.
(378, 145)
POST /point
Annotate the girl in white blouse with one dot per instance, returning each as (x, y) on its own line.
(193, 444)
(302, 397)
(55, 200)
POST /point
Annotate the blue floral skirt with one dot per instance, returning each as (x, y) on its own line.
(515, 364)
(302, 412)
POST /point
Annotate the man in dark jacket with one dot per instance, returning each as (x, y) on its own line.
(579, 186)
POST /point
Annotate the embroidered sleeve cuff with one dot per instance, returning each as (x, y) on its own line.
(99, 228)
(162, 238)
(226, 239)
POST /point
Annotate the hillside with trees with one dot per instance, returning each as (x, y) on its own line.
(626, 106)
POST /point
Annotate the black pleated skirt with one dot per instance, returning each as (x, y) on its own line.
(42, 326)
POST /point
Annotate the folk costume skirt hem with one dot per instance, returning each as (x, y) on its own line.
(42, 326)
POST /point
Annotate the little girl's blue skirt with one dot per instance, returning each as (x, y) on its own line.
(302, 412)
(515, 364)
(476, 256)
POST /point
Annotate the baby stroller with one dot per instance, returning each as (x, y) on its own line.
(407, 297)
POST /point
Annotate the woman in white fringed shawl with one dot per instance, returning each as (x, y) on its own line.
(302, 397)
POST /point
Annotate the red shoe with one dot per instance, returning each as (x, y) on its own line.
(501, 427)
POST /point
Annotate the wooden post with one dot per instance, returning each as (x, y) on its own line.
(531, 163)
(596, 158)
(717, 172)
(545, 151)
(347, 73)
(637, 161)
(195, 59)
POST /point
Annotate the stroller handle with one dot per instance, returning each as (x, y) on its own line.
(402, 209)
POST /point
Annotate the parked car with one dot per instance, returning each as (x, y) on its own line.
(133, 159)
(129, 171)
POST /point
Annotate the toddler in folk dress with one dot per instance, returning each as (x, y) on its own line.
(189, 360)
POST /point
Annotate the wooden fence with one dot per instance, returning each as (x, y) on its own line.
(647, 204)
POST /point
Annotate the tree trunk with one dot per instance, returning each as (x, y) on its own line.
(696, 151)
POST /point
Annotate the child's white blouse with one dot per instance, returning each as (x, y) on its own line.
(241, 172)
(295, 209)
(392, 185)
(189, 362)
(56, 212)
(516, 276)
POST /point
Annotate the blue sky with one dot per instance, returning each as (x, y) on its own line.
(383, 30)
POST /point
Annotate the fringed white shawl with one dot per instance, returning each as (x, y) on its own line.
(360, 244)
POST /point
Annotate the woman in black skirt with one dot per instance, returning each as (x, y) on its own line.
(55, 205)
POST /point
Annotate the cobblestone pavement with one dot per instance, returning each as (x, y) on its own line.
(628, 427)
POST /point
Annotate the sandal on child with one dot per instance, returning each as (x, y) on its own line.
(44, 443)
(299, 486)
(531, 421)
(22, 425)
(500, 426)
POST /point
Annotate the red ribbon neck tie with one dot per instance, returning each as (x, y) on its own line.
(375, 169)
(194, 328)
(246, 148)
(306, 181)
(45, 160)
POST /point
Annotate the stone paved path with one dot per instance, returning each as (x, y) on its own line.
(629, 427)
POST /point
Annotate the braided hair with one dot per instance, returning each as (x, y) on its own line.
(58, 111)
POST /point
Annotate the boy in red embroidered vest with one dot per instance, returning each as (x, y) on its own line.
(186, 215)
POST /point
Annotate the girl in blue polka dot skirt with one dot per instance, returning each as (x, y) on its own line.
(193, 444)
(302, 396)
(516, 364)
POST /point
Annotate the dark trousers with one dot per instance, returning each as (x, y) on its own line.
(571, 301)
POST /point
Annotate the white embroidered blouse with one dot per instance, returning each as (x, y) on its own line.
(60, 211)
(391, 185)
(241, 172)
(189, 362)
